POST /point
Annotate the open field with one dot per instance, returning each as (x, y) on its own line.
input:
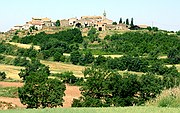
(25, 46)
(11, 71)
(99, 110)
(58, 67)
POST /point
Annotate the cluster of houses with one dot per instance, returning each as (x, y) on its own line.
(101, 23)
(38, 23)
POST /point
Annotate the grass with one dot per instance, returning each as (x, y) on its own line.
(98, 110)
(58, 67)
(11, 71)
(25, 46)
(8, 92)
(168, 98)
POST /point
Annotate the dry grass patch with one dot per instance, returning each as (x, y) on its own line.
(57, 67)
(11, 71)
(25, 46)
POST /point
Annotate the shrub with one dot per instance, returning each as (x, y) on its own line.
(2, 75)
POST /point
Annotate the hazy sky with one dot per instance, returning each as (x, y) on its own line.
(162, 13)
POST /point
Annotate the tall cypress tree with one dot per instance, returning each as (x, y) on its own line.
(132, 22)
(120, 21)
(127, 21)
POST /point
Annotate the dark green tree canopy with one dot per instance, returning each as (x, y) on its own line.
(114, 23)
(127, 21)
(57, 23)
(120, 21)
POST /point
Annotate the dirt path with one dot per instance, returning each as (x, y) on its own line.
(71, 92)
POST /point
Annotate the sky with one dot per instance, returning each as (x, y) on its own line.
(164, 14)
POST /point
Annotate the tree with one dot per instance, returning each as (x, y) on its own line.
(33, 66)
(127, 21)
(174, 56)
(105, 88)
(75, 56)
(40, 92)
(57, 56)
(95, 90)
(132, 22)
(2, 75)
(150, 86)
(92, 31)
(89, 58)
(120, 21)
(85, 44)
(114, 23)
(57, 23)
(178, 32)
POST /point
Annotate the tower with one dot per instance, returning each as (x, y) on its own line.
(104, 15)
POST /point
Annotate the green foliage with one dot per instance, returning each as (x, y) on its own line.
(7, 48)
(141, 43)
(114, 23)
(11, 92)
(120, 21)
(127, 21)
(34, 66)
(132, 22)
(178, 32)
(150, 86)
(174, 55)
(31, 52)
(41, 92)
(105, 88)
(85, 44)
(20, 61)
(92, 31)
(2, 76)
(57, 23)
(168, 102)
(75, 56)
(69, 78)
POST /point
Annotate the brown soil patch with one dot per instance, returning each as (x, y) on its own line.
(15, 101)
(11, 84)
(71, 92)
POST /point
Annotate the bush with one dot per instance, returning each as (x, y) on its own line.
(2, 76)
(166, 102)
(68, 77)
(41, 92)
(20, 61)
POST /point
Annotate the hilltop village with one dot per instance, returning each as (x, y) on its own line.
(101, 23)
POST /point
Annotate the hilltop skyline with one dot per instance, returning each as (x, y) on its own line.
(163, 14)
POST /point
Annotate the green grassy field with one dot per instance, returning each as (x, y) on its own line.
(99, 110)
(8, 92)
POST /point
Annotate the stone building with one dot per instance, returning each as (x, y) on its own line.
(64, 23)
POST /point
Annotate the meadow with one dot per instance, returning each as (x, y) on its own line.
(99, 110)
